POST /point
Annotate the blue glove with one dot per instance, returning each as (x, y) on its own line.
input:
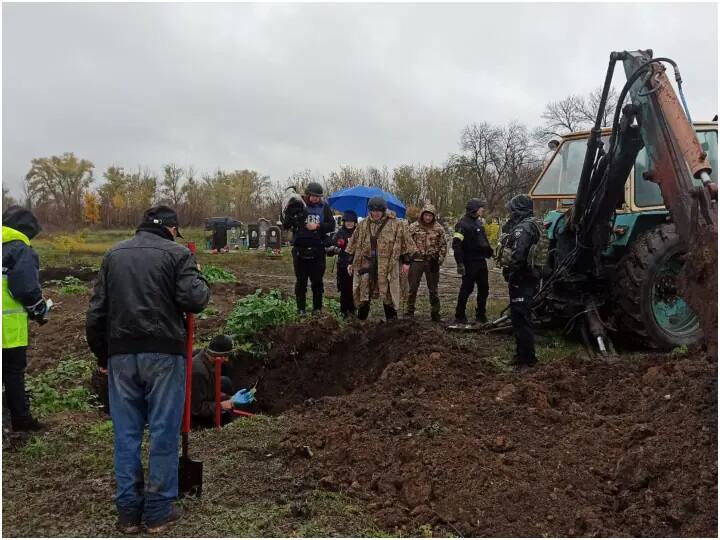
(243, 397)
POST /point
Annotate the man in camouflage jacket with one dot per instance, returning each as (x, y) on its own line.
(431, 242)
(380, 248)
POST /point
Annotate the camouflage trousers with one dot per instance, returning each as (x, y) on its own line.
(431, 270)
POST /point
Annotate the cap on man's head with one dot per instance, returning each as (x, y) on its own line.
(473, 205)
(220, 345)
(162, 215)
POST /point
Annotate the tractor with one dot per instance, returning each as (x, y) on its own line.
(625, 205)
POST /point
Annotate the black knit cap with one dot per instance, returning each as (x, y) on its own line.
(220, 345)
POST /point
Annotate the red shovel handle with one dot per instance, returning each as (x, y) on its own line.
(190, 318)
(218, 369)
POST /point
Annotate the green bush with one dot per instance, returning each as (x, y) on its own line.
(215, 274)
(259, 311)
(69, 285)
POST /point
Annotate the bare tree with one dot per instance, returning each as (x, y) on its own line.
(588, 107)
(563, 116)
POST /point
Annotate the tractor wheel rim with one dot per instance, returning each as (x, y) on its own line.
(671, 312)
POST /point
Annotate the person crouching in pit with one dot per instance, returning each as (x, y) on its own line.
(203, 384)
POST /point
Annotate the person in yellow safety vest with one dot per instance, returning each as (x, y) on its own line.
(21, 300)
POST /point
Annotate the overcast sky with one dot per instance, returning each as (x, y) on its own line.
(281, 88)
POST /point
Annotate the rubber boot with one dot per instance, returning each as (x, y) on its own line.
(363, 311)
(25, 423)
(390, 312)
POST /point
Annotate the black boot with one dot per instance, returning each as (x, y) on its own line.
(25, 423)
(363, 311)
(390, 312)
(435, 316)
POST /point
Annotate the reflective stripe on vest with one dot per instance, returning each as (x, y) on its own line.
(14, 316)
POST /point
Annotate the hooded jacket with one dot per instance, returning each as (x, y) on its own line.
(144, 288)
(20, 262)
(523, 234)
(430, 240)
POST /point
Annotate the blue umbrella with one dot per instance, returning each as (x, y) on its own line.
(356, 198)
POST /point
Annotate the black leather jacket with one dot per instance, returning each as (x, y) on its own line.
(144, 287)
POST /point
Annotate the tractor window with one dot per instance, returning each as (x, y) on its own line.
(648, 193)
(563, 174)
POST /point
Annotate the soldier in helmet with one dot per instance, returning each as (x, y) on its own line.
(381, 248)
(471, 248)
(309, 246)
(520, 234)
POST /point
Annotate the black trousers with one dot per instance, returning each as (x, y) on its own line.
(521, 295)
(345, 288)
(14, 362)
(476, 274)
(309, 265)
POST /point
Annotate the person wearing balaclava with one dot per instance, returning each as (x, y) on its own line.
(136, 328)
(521, 277)
(22, 301)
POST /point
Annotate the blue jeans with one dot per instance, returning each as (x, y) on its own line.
(146, 388)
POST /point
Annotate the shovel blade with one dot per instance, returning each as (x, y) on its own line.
(190, 473)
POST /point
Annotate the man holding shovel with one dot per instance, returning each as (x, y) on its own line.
(136, 329)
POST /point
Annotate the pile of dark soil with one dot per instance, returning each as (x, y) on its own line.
(428, 433)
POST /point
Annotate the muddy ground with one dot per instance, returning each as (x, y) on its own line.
(374, 428)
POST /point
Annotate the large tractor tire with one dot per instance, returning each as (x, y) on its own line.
(648, 308)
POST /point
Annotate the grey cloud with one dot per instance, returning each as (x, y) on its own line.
(281, 88)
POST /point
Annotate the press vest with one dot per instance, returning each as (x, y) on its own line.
(14, 316)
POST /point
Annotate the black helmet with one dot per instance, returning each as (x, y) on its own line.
(21, 219)
(377, 203)
(473, 205)
(220, 345)
(520, 205)
(313, 188)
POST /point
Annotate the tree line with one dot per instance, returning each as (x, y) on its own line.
(493, 162)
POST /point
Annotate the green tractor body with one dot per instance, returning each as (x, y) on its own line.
(644, 256)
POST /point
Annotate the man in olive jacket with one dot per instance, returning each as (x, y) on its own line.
(136, 329)
(203, 383)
